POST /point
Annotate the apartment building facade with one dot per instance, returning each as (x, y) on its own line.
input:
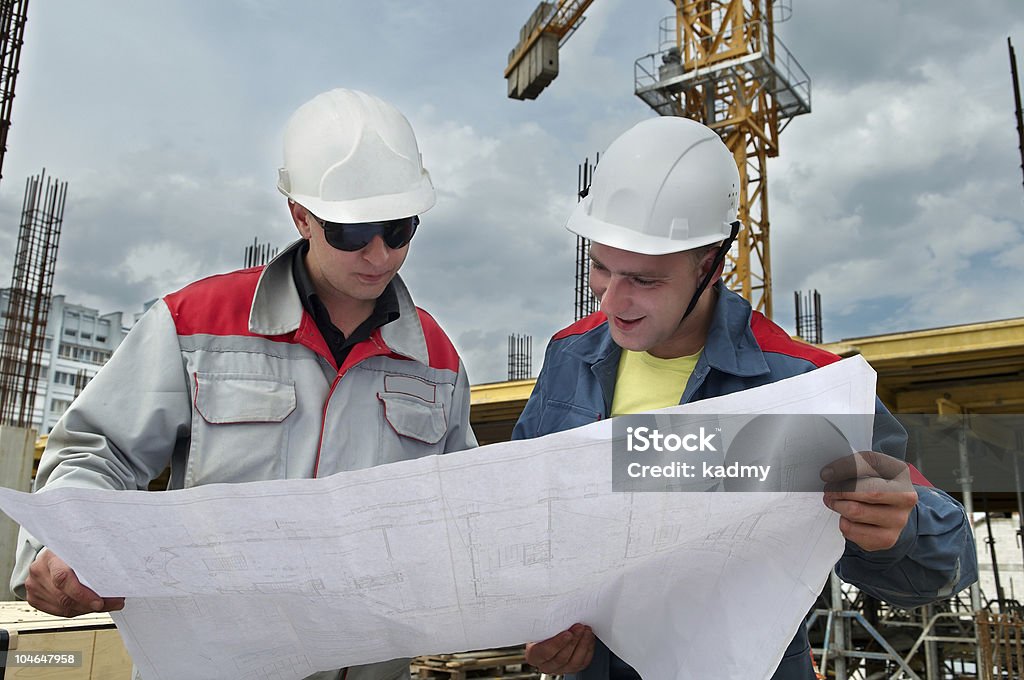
(78, 341)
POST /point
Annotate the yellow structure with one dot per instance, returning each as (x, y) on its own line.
(720, 63)
(974, 368)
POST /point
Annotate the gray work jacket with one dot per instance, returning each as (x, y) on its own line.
(229, 380)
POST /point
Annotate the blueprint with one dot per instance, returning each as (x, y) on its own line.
(479, 549)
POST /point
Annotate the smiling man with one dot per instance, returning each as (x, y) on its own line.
(661, 214)
(318, 362)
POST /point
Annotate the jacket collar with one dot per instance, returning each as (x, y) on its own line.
(730, 346)
(405, 334)
(277, 310)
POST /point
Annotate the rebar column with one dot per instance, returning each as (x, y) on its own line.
(21, 347)
(13, 14)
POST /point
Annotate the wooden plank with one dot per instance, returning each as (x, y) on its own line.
(92, 635)
(22, 617)
(66, 641)
(110, 659)
(486, 663)
(493, 664)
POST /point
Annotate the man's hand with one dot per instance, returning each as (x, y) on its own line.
(52, 587)
(873, 495)
(568, 652)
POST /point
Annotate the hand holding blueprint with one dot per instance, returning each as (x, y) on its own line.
(479, 549)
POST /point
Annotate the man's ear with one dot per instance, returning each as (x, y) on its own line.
(301, 218)
(707, 262)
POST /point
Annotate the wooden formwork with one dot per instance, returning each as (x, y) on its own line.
(497, 664)
(91, 637)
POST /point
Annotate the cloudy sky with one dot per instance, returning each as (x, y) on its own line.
(899, 197)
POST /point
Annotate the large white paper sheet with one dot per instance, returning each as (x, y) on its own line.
(479, 549)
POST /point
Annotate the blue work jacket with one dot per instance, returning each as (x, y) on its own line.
(935, 555)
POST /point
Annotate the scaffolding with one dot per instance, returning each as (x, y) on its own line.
(21, 349)
(857, 636)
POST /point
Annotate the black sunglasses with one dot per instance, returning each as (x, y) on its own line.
(356, 236)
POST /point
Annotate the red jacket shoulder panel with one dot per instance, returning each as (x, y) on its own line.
(440, 350)
(585, 324)
(216, 305)
(771, 338)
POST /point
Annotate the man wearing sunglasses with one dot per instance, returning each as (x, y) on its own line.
(317, 363)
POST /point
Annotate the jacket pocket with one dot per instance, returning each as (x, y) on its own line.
(414, 419)
(558, 416)
(243, 399)
(239, 429)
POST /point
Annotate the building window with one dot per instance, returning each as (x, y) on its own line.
(92, 356)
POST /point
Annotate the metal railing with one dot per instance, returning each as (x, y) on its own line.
(785, 78)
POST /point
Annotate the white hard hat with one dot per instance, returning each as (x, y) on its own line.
(351, 157)
(666, 185)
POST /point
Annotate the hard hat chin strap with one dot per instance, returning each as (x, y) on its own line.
(719, 256)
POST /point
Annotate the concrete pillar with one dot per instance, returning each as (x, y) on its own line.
(17, 448)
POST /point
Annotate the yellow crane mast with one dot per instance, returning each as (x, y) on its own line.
(719, 62)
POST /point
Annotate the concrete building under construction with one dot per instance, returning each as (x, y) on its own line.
(77, 341)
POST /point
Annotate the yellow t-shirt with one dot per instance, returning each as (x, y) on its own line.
(646, 383)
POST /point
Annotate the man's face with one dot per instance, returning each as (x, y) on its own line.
(644, 297)
(348, 277)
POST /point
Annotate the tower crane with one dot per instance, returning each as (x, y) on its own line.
(533, 63)
(719, 62)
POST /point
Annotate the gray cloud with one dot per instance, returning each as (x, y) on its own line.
(899, 197)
